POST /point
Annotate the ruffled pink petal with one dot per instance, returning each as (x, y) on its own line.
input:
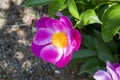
(77, 36)
(118, 71)
(51, 54)
(70, 48)
(111, 70)
(66, 21)
(117, 68)
(115, 65)
(63, 61)
(36, 49)
(102, 75)
(68, 51)
(43, 36)
(55, 25)
(41, 22)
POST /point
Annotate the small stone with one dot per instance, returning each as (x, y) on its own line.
(21, 33)
(19, 55)
(26, 65)
(57, 72)
(5, 4)
(14, 28)
(18, 2)
(2, 22)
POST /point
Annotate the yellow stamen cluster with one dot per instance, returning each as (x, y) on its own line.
(59, 39)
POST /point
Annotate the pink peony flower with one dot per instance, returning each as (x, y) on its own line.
(112, 73)
(55, 40)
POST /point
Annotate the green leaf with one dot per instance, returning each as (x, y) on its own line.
(98, 35)
(113, 46)
(36, 2)
(116, 58)
(115, 0)
(89, 17)
(103, 51)
(79, 23)
(56, 5)
(101, 9)
(111, 22)
(73, 9)
(80, 60)
(83, 53)
(90, 66)
(89, 42)
(92, 71)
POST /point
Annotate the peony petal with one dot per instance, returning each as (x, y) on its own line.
(70, 48)
(111, 70)
(36, 49)
(102, 75)
(117, 68)
(55, 25)
(66, 21)
(51, 54)
(115, 65)
(63, 61)
(66, 57)
(43, 36)
(41, 22)
(77, 36)
(118, 71)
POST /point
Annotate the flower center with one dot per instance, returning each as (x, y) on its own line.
(59, 39)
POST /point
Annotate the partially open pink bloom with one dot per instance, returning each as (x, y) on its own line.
(55, 40)
(112, 73)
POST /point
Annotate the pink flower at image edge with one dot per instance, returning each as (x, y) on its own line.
(55, 40)
(112, 73)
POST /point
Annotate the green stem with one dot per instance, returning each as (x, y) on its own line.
(104, 3)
